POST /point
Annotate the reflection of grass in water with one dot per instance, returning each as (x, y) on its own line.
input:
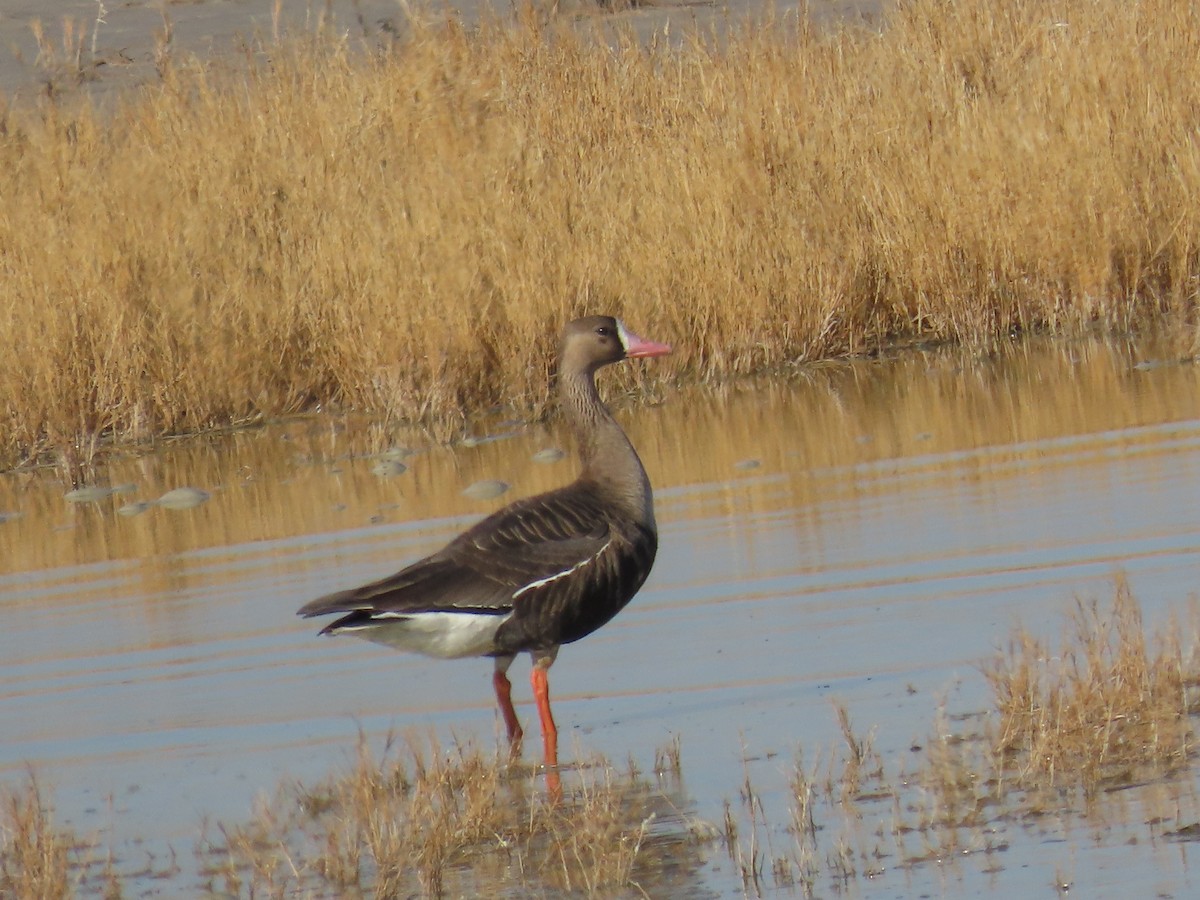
(1106, 711)
(404, 230)
(1013, 407)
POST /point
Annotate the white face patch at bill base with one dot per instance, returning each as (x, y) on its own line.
(623, 334)
(446, 635)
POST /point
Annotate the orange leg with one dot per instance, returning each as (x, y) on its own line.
(504, 697)
(541, 692)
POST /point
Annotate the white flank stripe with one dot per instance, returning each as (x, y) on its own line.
(563, 574)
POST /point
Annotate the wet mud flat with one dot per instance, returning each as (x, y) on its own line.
(861, 536)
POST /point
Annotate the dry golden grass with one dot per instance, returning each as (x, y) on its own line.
(1107, 709)
(440, 822)
(404, 229)
(43, 860)
(1104, 712)
(1100, 709)
(34, 855)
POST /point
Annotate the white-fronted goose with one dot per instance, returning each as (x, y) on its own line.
(544, 571)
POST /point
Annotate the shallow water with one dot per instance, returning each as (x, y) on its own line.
(865, 532)
(105, 48)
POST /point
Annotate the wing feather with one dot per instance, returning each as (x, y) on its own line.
(485, 569)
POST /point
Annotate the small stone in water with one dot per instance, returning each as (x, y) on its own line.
(87, 494)
(396, 453)
(486, 490)
(183, 498)
(134, 509)
(747, 464)
(9, 516)
(388, 467)
(549, 455)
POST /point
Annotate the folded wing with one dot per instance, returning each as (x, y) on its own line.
(487, 569)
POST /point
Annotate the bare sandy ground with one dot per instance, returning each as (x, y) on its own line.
(102, 45)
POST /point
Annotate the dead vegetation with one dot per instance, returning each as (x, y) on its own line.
(1072, 728)
(403, 229)
(42, 860)
(438, 822)
(35, 856)
(1102, 708)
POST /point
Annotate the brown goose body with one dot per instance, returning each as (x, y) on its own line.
(544, 571)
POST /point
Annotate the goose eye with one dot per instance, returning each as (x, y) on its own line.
(604, 331)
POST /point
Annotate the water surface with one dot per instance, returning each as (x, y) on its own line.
(865, 533)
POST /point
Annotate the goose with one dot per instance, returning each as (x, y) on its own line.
(544, 571)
